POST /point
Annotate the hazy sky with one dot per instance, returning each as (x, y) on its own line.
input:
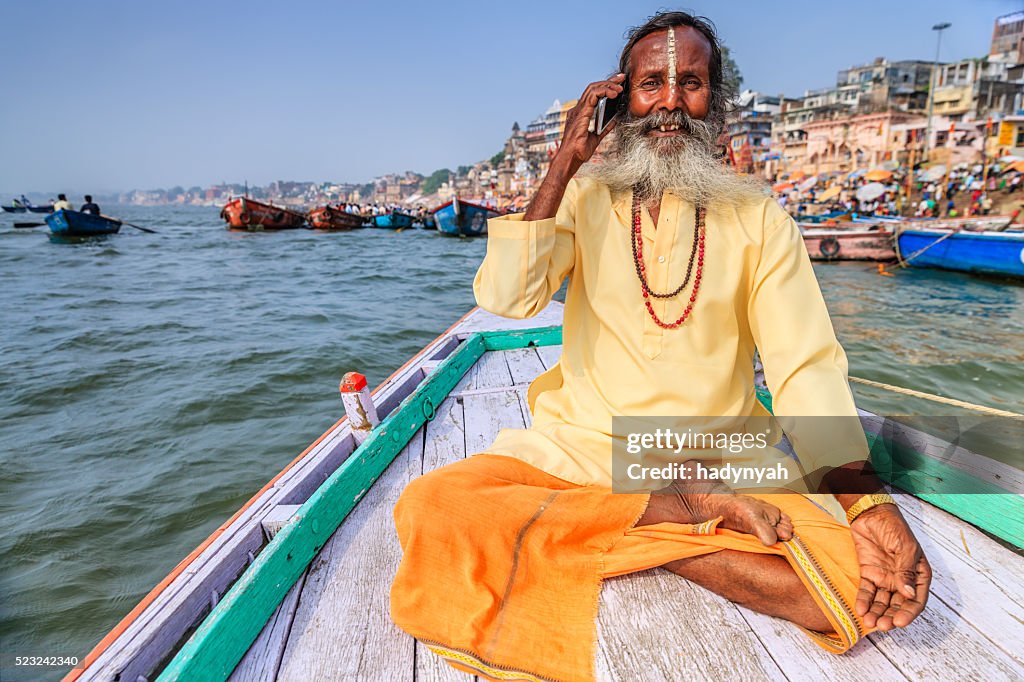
(101, 96)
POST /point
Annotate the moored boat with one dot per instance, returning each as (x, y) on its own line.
(295, 585)
(395, 220)
(988, 253)
(244, 213)
(331, 218)
(974, 223)
(65, 223)
(460, 218)
(830, 244)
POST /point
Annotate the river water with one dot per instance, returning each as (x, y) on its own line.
(150, 384)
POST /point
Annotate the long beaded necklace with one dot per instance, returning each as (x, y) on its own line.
(696, 251)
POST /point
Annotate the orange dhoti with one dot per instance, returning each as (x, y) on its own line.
(502, 565)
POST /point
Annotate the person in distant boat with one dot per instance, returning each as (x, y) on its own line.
(89, 206)
(62, 203)
(678, 269)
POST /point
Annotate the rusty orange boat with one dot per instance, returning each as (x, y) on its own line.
(331, 218)
(244, 213)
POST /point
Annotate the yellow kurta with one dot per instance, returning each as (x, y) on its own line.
(758, 290)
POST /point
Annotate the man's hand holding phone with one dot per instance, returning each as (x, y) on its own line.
(581, 137)
(579, 142)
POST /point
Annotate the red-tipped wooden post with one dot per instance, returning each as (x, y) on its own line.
(362, 414)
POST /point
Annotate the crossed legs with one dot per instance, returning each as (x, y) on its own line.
(761, 582)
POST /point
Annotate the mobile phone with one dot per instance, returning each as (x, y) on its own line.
(603, 115)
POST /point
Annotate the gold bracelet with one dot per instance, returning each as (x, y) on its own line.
(867, 502)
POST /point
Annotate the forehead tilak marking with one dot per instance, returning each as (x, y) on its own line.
(671, 66)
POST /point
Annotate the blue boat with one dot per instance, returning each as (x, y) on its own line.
(65, 223)
(989, 253)
(395, 220)
(460, 218)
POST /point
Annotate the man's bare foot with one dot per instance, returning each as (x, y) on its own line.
(696, 502)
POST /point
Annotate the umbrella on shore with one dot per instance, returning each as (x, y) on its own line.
(783, 187)
(878, 174)
(797, 176)
(870, 191)
(832, 191)
(1009, 158)
(808, 183)
(1017, 166)
(935, 172)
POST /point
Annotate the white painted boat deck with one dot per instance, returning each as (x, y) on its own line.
(334, 624)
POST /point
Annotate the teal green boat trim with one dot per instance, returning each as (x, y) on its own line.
(980, 503)
(540, 336)
(226, 634)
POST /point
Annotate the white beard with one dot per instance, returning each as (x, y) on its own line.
(685, 164)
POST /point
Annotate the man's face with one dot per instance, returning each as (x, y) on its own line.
(669, 72)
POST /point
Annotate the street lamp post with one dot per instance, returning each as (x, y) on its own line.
(931, 90)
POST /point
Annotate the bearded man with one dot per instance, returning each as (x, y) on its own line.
(504, 552)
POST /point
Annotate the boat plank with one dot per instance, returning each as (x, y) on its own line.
(490, 371)
(524, 405)
(342, 628)
(993, 611)
(965, 653)
(524, 364)
(801, 660)
(445, 436)
(549, 355)
(986, 557)
(488, 413)
(977, 594)
(261, 662)
(445, 444)
(655, 625)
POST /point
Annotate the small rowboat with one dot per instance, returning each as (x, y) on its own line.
(460, 218)
(395, 220)
(988, 253)
(295, 585)
(330, 218)
(244, 213)
(14, 209)
(65, 223)
(855, 243)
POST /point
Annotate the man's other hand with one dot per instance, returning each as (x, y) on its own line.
(894, 573)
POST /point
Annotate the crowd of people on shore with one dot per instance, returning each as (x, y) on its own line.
(961, 192)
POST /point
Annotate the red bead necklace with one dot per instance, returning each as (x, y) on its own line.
(697, 250)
